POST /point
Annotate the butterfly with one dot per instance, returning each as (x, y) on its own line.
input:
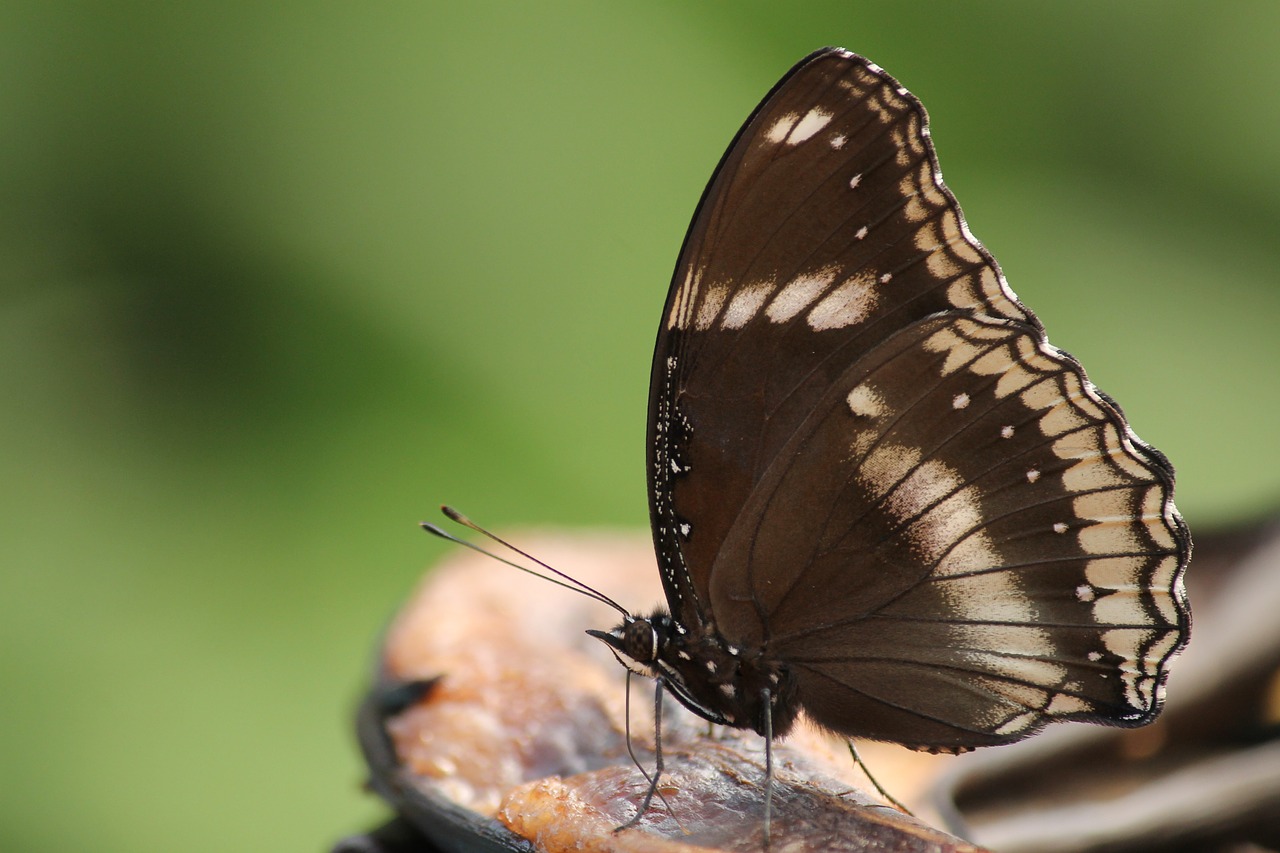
(878, 494)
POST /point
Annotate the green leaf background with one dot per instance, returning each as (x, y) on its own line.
(276, 279)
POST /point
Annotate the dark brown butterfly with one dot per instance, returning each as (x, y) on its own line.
(878, 494)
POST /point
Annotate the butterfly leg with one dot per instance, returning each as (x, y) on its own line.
(866, 771)
(766, 699)
(657, 747)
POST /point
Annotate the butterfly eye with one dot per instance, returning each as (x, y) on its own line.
(640, 641)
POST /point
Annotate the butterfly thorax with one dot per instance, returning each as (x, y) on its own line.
(713, 678)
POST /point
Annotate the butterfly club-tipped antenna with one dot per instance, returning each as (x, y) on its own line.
(568, 582)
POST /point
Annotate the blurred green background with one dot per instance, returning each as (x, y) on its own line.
(279, 278)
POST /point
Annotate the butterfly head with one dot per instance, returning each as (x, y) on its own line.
(639, 643)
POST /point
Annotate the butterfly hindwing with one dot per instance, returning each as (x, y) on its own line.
(960, 544)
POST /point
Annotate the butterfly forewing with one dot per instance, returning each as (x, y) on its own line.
(867, 462)
(825, 229)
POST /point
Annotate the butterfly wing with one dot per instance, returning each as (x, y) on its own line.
(962, 543)
(825, 228)
(826, 256)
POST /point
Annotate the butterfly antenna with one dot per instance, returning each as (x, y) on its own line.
(572, 583)
(866, 771)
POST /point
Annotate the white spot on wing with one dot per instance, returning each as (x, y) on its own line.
(846, 305)
(886, 466)
(884, 114)
(1115, 536)
(838, 141)
(1017, 724)
(1065, 703)
(1128, 643)
(960, 401)
(688, 293)
(1112, 573)
(1006, 432)
(988, 597)
(1009, 639)
(780, 128)
(855, 180)
(797, 294)
(940, 516)
(746, 304)
(866, 402)
(794, 129)
(1019, 668)
(710, 307)
(813, 121)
